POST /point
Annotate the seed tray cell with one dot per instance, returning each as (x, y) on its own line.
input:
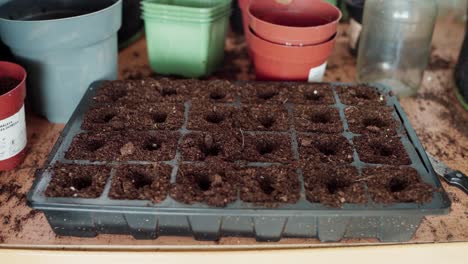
(327, 177)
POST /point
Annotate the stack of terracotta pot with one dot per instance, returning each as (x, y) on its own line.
(290, 40)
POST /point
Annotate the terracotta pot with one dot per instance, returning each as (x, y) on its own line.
(244, 6)
(294, 22)
(12, 118)
(288, 63)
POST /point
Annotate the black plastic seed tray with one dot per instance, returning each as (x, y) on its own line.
(144, 219)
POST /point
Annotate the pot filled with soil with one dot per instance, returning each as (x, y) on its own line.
(63, 48)
(12, 118)
(289, 63)
(294, 22)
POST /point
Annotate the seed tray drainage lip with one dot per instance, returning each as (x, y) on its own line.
(147, 220)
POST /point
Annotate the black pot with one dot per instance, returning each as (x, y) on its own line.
(131, 22)
(356, 10)
(5, 54)
(461, 71)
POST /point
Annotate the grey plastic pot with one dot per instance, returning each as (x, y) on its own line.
(65, 46)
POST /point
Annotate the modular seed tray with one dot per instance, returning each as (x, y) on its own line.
(264, 202)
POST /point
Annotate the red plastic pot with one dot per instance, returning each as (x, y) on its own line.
(244, 5)
(13, 137)
(294, 22)
(276, 62)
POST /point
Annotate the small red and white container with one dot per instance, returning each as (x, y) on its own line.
(13, 137)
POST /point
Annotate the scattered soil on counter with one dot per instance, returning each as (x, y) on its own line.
(7, 84)
(216, 145)
(361, 95)
(333, 185)
(381, 150)
(215, 184)
(325, 148)
(376, 121)
(437, 63)
(263, 118)
(267, 148)
(321, 119)
(69, 180)
(141, 182)
(275, 185)
(312, 94)
(208, 117)
(397, 185)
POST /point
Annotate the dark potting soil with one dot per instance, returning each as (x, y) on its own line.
(361, 95)
(216, 91)
(216, 145)
(325, 148)
(261, 147)
(206, 117)
(7, 84)
(215, 184)
(263, 118)
(275, 184)
(264, 93)
(141, 182)
(322, 119)
(333, 185)
(320, 94)
(134, 146)
(378, 120)
(144, 117)
(397, 185)
(69, 180)
(381, 150)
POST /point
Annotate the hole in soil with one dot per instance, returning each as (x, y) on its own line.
(397, 185)
(377, 122)
(108, 117)
(203, 182)
(152, 144)
(160, 117)
(140, 180)
(217, 95)
(384, 150)
(267, 121)
(313, 95)
(363, 95)
(266, 94)
(333, 186)
(82, 182)
(321, 118)
(118, 93)
(214, 118)
(327, 150)
(266, 184)
(265, 147)
(94, 145)
(168, 91)
(212, 150)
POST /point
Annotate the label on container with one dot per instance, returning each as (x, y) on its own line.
(316, 74)
(354, 31)
(13, 137)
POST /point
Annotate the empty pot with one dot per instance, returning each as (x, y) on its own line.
(289, 63)
(65, 45)
(294, 22)
(13, 137)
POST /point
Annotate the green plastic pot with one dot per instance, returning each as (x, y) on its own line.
(185, 19)
(185, 48)
(182, 15)
(187, 7)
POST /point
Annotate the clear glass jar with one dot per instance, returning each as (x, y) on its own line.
(395, 43)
